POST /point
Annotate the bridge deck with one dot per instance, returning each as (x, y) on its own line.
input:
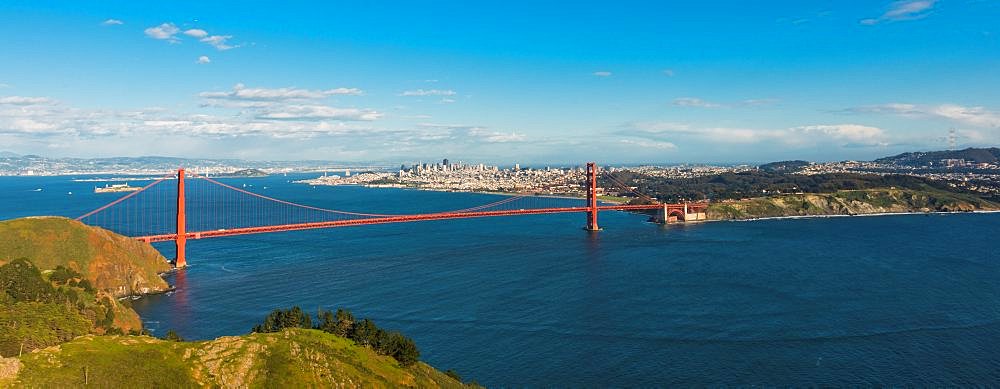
(400, 219)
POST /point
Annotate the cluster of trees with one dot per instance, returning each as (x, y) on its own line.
(21, 281)
(342, 323)
(62, 275)
(757, 183)
(36, 312)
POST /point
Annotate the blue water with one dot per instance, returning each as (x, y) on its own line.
(536, 301)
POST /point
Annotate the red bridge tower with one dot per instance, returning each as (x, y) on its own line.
(592, 197)
(181, 240)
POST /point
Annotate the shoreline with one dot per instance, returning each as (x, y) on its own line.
(400, 186)
(854, 215)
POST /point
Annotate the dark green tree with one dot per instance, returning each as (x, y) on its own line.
(22, 281)
(403, 349)
(365, 332)
(340, 324)
(345, 323)
(279, 319)
(172, 336)
(326, 321)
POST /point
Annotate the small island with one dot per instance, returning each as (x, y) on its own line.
(244, 173)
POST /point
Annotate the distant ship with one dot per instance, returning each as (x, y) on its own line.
(116, 188)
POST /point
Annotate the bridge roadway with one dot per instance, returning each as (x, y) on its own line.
(400, 219)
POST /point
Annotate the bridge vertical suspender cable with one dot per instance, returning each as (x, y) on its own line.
(220, 209)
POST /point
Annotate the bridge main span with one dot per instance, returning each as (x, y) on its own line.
(256, 213)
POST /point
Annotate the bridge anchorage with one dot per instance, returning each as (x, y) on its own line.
(200, 207)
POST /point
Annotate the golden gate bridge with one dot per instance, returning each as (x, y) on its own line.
(215, 209)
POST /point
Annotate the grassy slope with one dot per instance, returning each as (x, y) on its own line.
(850, 202)
(292, 358)
(111, 262)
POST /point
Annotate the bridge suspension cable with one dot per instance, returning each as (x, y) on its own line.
(207, 207)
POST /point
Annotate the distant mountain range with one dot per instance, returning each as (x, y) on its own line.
(912, 159)
(926, 158)
(15, 164)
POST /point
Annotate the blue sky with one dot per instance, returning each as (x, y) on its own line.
(562, 82)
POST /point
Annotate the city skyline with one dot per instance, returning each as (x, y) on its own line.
(725, 82)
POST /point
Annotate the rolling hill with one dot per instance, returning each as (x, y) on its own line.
(292, 358)
(112, 263)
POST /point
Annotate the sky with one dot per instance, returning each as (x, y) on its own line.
(499, 82)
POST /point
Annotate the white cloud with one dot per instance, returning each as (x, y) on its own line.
(318, 112)
(973, 116)
(218, 41)
(344, 91)
(894, 108)
(694, 102)
(839, 134)
(168, 31)
(668, 72)
(112, 22)
(854, 134)
(429, 92)
(69, 124)
(649, 144)
(241, 92)
(165, 31)
(22, 100)
(197, 33)
(2, 85)
(466, 134)
(602, 73)
(289, 103)
(903, 10)
(447, 100)
(30, 126)
(203, 59)
(759, 102)
(504, 138)
(278, 130)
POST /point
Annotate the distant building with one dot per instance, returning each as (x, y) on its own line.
(445, 162)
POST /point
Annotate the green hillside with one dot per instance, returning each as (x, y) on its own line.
(292, 358)
(924, 158)
(61, 326)
(112, 263)
(39, 310)
(850, 202)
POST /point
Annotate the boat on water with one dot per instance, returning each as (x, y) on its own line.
(116, 188)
